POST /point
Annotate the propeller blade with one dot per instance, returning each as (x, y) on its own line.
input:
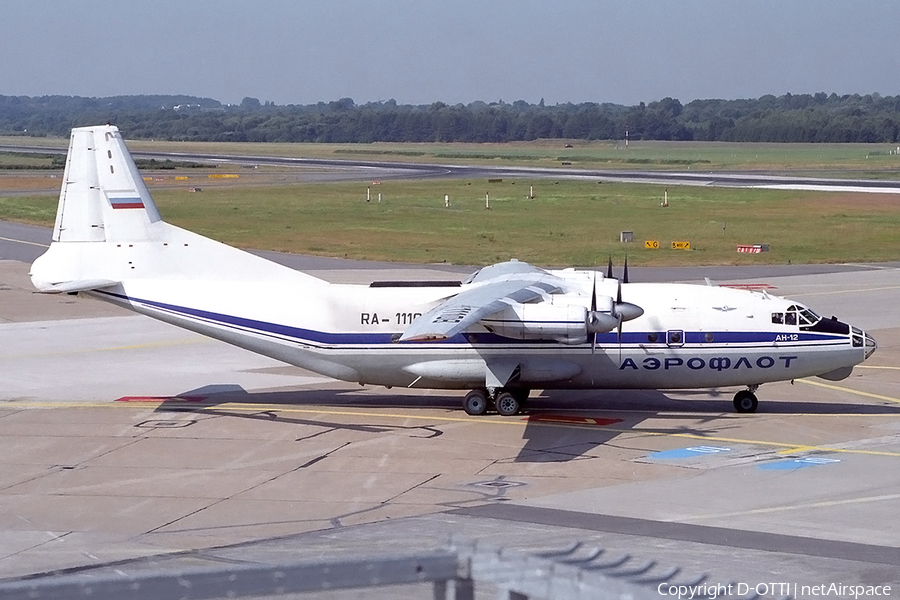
(619, 335)
(609, 273)
(593, 310)
(625, 275)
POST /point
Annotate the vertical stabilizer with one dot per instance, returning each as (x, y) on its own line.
(108, 231)
(103, 197)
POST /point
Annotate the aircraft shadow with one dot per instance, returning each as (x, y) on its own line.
(562, 425)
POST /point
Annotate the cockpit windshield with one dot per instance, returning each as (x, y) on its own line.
(796, 315)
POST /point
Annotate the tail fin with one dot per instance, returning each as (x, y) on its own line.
(108, 230)
(103, 197)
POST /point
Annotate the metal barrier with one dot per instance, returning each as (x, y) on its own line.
(453, 573)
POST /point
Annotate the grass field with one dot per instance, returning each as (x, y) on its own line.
(567, 223)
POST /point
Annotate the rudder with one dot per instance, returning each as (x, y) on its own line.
(103, 197)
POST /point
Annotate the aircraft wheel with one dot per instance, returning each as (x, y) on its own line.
(507, 404)
(475, 403)
(745, 402)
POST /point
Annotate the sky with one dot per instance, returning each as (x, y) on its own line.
(418, 52)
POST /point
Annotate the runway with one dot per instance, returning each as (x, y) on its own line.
(127, 444)
(368, 170)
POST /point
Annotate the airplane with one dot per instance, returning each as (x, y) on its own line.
(508, 329)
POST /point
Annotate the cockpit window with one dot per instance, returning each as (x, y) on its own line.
(809, 316)
(796, 315)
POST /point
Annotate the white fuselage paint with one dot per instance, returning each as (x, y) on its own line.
(704, 336)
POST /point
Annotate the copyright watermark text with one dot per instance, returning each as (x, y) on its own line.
(711, 591)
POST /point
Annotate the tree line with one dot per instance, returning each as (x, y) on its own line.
(789, 118)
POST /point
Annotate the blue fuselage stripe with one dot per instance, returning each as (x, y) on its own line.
(299, 335)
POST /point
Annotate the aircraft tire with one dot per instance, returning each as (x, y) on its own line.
(507, 404)
(745, 401)
(475, 403)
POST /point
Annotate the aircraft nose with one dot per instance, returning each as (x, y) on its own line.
(870, 344)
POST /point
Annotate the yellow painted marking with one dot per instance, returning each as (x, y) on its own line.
(180, 342)
(708, 438)
(849, 391)
(243, 407)
(774, 509)
(6, 239)
(797, 450)
(874, 367)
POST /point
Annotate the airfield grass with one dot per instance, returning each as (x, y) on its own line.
(566, 223)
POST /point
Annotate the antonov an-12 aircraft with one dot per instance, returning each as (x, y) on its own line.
(507, 329)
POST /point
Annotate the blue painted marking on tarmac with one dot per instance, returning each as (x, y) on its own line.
(798, 463)
(692, 452)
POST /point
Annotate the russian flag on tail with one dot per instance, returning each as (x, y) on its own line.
(129, 202)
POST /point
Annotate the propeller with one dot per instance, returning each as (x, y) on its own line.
(614, 313)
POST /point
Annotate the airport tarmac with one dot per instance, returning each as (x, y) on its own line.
(128, 444)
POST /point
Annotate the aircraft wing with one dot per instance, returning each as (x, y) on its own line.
(493, 289)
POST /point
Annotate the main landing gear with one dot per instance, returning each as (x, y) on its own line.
(745, 401)
(506, 401)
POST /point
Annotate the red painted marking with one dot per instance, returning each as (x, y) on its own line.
(571, 419)
(161, 399)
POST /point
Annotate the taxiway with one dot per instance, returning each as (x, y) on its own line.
(127, 444)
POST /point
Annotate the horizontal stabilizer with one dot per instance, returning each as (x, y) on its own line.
(85, 285)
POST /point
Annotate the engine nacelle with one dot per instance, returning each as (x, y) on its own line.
(566, 323)
(610, 314)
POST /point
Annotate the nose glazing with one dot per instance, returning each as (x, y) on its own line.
(870, 344)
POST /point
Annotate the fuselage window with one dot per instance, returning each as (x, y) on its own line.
(778, 318)
(652, 337)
